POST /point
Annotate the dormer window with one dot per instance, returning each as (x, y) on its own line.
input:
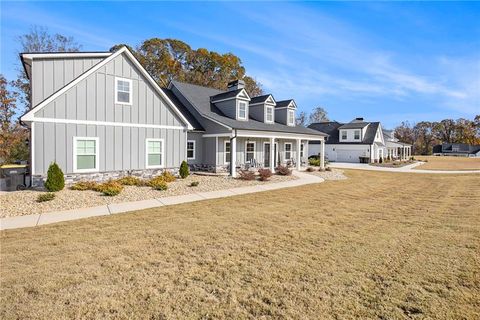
(242, 110)
(269, 114)
(356, 135)
(123, 91)
(291, 117)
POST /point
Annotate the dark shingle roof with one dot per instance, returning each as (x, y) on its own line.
(226, 95)
(283, 103)
(354, 125)
(195, 124)
(459, 148)
(259, 99)
(332, 129)
(199, 97)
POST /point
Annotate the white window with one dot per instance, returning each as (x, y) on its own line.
(291, 117)
(123, 91)
(344, 135)
(269, 114)
(242, 110)
(85, 154)
(288, 151)
(302, 148)
(249, 151)
(191, 150)
(154, 154)
(226, 154)
(356, 135)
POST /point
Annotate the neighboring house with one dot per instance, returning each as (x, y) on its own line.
(456, 149)
(101, 115)
(356, 141)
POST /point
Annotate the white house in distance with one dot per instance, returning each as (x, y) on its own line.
(357, 141)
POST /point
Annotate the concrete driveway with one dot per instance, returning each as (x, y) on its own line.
(408, 168)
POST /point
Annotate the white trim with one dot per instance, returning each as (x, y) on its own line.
(225, 151)
(108, 123)
(291, 111)
(267, 134)
(268, 106)
(194, 149)
(130, 93)
(31, 56)
(30, 116)
(285, 150)
(254, 149)
(162, 153)
(97, 155)
(32, 149)
(210, 135)
(234, 97)
(246, 111)
(216, 151)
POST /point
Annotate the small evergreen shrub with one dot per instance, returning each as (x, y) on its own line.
(194, 184)
(130, 181)
(55, 180)
(380, 160)
(246, 175)
(46, 197)
(167, 176)
(110, 188)
(264, 174)
(314, 162)
(283, 171)
(184, 171)
(84, 185)
(158, 183)
(310, 169)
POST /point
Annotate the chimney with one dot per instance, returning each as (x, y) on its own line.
(236, 84)
(359, 119)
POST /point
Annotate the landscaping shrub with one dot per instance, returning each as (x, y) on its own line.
(380, 160)
(168, 176)
(109, 188)
(46, 197)
(55, 180)
(283, 171)
(131, 181)
(314, 162)
(84, 185)
(246, 175)
(264, 174)
(184, 171)
(158, 183)
(194, 184)
(310, 169)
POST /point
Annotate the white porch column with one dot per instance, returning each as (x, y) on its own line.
(233, 157)
(299, 159)
(322, 153)
(272, 154)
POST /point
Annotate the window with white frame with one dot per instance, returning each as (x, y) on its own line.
(242, 110)
(226, 153)
(356, 135)
(191, 150)
(249, 151)
(291, 117)
(85, 154)
(123, 91)
(268, 114)
(154, 153)
(344, 135)
(288, 151)
(302, 148)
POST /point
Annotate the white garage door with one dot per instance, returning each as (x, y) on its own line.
(348, 155)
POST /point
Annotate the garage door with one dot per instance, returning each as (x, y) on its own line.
(348, 155)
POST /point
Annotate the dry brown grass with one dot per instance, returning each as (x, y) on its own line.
(449, 163)
(378, 245)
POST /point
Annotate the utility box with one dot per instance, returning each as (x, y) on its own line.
(12, 177)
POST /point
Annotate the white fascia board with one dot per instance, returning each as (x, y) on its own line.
(29, 116)
(235, 97)
(278, 135)
(107, 123)
(31, 56)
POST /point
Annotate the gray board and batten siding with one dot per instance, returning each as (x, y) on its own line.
(122, 129)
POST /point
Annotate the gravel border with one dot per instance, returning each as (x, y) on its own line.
(18, 203)
(334, 174)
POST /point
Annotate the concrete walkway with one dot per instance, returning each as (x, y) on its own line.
(114, 208)
(408, 168)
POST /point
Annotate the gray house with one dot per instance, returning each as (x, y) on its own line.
(101, 115)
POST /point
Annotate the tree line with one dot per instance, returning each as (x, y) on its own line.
(425, 134)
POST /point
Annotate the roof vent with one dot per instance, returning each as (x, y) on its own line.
(235, 85)
(359, 119)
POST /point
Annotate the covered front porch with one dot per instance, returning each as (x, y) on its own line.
(399, 151)
(254, 150)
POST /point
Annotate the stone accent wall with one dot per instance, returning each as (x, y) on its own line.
(38, 180)
(209, 168)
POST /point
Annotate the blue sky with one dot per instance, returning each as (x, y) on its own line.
(388, 62)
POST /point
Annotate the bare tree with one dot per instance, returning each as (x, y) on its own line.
(318, 114)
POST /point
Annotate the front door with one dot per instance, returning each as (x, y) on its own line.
(275, 154)
(266, 155)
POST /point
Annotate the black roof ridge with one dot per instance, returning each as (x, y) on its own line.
(197, 85)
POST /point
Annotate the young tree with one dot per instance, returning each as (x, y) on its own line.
(40, 40)
(318, 114)
(12, 135)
